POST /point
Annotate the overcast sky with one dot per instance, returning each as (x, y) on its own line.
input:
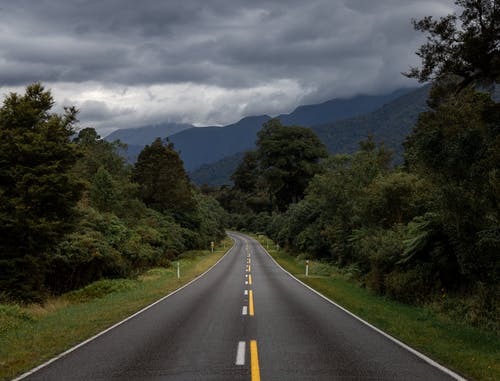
(126, 63)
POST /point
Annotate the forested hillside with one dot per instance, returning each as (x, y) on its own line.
(390, 123)
(218, 173)
(72, 211)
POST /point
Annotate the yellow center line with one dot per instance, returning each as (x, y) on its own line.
(250, 302)
(254, 359)
(250, 279)
(249, 268)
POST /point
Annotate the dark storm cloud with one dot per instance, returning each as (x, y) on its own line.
(328, 47)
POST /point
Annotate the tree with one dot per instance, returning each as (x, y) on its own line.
(470, 51)
(247, 174)
(457, 147)
(103, 193)
(288, 159)
(98, 152)
(163, 182)
(37, 192)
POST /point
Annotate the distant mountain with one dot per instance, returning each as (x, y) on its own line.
(390, 123)
(141, 136)
(337, 109)
(218, 173)
(204, 145)
(199, 146)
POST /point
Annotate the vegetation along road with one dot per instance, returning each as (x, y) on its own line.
(244, 319)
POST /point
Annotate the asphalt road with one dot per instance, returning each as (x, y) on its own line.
(246, 319)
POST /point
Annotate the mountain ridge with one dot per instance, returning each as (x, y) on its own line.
(390, 123)
(200, 146)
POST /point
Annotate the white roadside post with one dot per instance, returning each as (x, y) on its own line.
(178, 271)
(212, 245)
(307, 267)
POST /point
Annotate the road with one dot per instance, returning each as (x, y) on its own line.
(245, 319)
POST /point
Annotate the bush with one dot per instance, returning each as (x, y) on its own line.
(11, 315)
(411, 286)
(480, 308)
(99, 289)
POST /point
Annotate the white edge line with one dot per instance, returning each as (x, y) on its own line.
(240, 353)
(392, 338)
(30, 372)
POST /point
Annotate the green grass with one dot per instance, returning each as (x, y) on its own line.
(470, 351)
(30, 335)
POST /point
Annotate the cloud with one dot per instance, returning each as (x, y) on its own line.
(128, 63)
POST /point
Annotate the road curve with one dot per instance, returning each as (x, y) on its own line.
(245, 319)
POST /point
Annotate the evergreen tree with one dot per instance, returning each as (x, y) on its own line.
(163, 182)
(37, 192)
(102, 191)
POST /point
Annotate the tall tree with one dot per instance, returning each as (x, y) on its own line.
(163, 182)
(288, 158)
(456, 145)
(469, 52)
(37, 192)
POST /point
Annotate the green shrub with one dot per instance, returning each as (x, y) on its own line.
(480, 308)
(411, 286)
(319, 268)
(99, 289)
(11, 315)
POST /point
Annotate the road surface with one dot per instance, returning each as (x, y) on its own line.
(245, 319)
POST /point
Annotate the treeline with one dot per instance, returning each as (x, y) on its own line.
(72, 211)
(425, 232)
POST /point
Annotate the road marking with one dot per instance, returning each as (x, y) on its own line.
(246, 282)
(250, 303)
(249, 269)
(244, 310)
(254, 361)
(250, 279)
(240, 353)
(246, 292)
(246, 275)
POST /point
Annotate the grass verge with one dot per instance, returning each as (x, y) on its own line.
(30, 335)
(470, 351)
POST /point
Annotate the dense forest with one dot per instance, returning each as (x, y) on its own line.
(72, 211)
(424, 232)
